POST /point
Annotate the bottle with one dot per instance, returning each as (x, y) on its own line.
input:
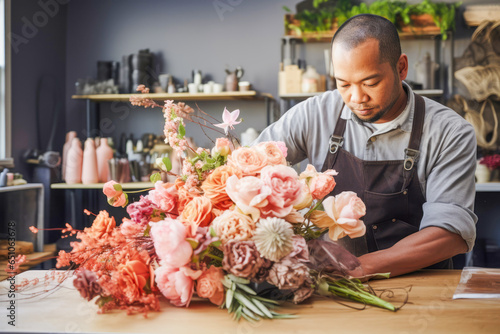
(74, 162)
(310, 80)
(89, 169)
(69, 138)
(104, 153)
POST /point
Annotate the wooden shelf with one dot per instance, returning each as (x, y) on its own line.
(326, 37)
(223, 96)
(488, 187)
(303, 96)
(130, 185)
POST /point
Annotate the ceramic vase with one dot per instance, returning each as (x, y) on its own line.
(482, 173)
(104, 154)
(89, 169)
(69, 138)
(74, 162)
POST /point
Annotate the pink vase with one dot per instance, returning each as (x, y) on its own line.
(104, 154)
(89, 169)
(69, 138)
(74, 162)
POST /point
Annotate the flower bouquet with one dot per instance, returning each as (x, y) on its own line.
(236, 222)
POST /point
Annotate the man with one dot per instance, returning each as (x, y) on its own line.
(409, 158)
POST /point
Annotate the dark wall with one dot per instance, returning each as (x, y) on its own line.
(38, 52)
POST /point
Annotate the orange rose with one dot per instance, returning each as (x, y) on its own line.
(249, 160)
(196, 213)
(103, 224)
(134, 274)
(209, 285)
(215, 186)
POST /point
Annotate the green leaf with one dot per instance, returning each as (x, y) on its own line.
(229, 298)
(242, 299)
(155, 177)
(182, 130)
(246, 288)
(118, 187)
(168, 164)
(250, 314)
(238, 279)
(286, 9)
(212, 232)
(194, 243)
(263, 308)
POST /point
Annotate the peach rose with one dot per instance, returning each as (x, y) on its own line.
(274, 153)
(196, 213)
(249, 194)
(135, 275)
(215, 186)
(305, 200)
(233, 225)
(114, 193)
(103, 224)
(249, 160)
(286, 190)
(345, 209)
(209, 285)
(185, 195)
(223, 146)
(164, 197)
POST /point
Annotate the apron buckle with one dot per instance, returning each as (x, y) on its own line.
(411, 157)
(335, 142)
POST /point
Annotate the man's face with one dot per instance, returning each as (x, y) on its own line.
(372, 90)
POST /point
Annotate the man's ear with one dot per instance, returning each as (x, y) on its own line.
(402, 66)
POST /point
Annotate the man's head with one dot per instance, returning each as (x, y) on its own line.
(369, 68)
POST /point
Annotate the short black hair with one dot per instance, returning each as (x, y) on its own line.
(360, 28)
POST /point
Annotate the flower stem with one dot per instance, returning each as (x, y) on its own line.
(356, 294)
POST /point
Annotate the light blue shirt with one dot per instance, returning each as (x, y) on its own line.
(447, 152)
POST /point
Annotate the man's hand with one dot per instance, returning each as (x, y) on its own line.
(419, 250)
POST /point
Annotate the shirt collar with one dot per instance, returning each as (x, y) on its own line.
(404, 122)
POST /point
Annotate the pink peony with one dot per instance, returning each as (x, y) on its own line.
(248, 193)
(176, 284)
(273, 152)
(114, 193)
(165, 197)
(286, 190)
(130, 229)
(169, 237)
(345, 209)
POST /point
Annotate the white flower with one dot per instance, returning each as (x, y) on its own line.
(273, 238)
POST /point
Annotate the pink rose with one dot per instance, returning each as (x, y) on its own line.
(273, 152)
(223, 146)
(165, 197)
(286, 190)
(300, 251)
(176, 284)
(345, 209)
(248, 160)
(320, 184)
(248, 193)
(114, 193)
(281, 145)
(130, 228)
(169, 238)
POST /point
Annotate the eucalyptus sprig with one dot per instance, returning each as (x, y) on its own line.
(243, 302)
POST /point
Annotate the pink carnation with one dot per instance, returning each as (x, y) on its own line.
(140, 212)
(165, 197)
(169, 237)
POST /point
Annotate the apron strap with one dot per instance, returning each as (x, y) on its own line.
(412, 152)
(335, 142)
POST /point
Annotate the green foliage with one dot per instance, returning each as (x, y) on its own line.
(325, 12)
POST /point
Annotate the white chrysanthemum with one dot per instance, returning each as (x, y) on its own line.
(273, 238)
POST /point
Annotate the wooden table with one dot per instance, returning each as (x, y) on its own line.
(430, 309)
